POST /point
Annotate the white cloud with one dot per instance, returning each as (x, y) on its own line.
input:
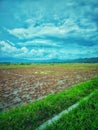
(50, 29)
(6, 47)
(30, 21)
(10, 50)
(32, 32)
(70, 25)
(18, 32)
(24, 49)
(67, 52)
(39, 42)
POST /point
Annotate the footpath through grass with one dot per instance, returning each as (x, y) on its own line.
(30, 116)
(83, 117)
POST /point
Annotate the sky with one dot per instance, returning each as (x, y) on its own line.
(42, 30)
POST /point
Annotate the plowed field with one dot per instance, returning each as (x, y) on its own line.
(21, 85)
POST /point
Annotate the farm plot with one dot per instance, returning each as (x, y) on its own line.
(21, 85)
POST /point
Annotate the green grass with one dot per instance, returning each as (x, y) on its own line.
(70, 66)
(30, 116)
(83, 117)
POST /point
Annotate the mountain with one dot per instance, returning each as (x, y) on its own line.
(80, 60)
(85, 60)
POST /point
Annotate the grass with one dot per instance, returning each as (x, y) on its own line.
(70, 66)
(30, 116)
(83, 117)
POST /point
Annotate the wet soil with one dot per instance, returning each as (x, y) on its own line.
(26, 85)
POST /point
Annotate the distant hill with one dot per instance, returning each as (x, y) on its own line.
(80, 60)
(85, 60)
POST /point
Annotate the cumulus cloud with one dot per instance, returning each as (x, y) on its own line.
(6, 47)
(12, 51)
(45, 53)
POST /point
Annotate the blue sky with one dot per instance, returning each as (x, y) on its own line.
(48, 29)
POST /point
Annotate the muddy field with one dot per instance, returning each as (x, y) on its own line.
(19, 86)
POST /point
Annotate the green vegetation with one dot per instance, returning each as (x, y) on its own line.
(30, 116)
(83, 117)
(74, 66)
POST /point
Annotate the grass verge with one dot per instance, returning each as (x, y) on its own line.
(83, 117)
(30, 116)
